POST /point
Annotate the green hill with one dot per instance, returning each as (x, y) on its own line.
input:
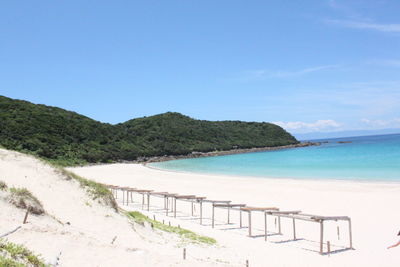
(69, 138)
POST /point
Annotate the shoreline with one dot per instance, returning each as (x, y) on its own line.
(288, 179)
(195, 154)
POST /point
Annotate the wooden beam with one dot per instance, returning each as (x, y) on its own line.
(329, 218)
(228, 205)
(273, 212)
(159, 194)
(217, 201)
(258, 209)
(185, 197)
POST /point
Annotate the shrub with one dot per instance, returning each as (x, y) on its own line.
(3, 186)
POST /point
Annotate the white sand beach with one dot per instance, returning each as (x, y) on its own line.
(373, 208)
(82, 232)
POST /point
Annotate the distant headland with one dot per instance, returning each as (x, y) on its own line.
(68, 138)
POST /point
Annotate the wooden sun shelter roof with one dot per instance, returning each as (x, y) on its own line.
(229, 205)
(258, 208)
(310, 217)
(185, 196)
(281, 212)
(159, 193)
(142, 190)
(217, 201)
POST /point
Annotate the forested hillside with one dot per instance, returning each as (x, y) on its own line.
(69, 138)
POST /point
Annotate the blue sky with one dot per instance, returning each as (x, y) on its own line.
(322, 65)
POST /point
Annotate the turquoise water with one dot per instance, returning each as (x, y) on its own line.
(365, 158)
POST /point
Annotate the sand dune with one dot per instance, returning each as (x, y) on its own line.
(80, 228)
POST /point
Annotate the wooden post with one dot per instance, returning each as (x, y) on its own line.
(26, 215)
(321, 242)
(184, 253)
(338, 232)
(192, 208)
(123, 197)
(201, 212)
(228, 214)
(249, 223)
(279, 225)
(148, 201)
(154, 217)
(294, 229)
(132, 196)
(265, 225)
(213, 215)
(142, 201)
(174, 207)
(329, 247)
(167, 208)
(350, 235)
(247, 263)
(240, 215)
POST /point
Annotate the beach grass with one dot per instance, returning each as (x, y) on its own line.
(24, 199)
(184, 233)
(96, 190)
(14, 255)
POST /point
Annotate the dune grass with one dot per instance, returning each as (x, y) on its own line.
(184, 233)
(96, 190)
(24, 199)
(14, 255)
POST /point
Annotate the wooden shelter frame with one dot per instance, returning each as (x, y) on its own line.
(226, 204)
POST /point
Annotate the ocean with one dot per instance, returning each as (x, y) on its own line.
(371, 158)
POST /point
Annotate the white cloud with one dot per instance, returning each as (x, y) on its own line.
(365, 25)
(382, 124)
(305, 127)
(261, 74)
